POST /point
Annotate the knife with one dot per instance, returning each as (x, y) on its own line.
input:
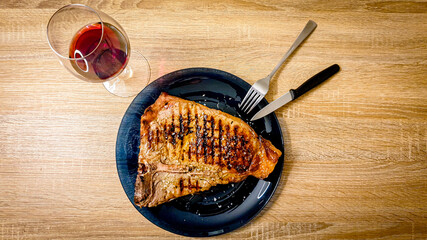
(295, 93)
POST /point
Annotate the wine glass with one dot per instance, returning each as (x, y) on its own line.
(95, 48)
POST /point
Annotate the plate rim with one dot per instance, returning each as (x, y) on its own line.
(157, 222)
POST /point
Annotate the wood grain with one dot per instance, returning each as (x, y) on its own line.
(355, 163)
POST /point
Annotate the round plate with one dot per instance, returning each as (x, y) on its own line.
(223, 208)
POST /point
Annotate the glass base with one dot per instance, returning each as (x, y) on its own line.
(133, 78)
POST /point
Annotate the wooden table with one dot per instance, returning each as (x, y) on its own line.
(355, 161)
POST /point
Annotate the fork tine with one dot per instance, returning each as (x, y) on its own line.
(255, 103)
(246, 98)
(251, 101)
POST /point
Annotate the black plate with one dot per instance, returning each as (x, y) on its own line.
(222, 208)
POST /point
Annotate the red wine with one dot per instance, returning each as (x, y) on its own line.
(104, 60)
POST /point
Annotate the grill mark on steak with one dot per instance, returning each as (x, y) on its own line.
(189, 185)
(219, 142)
(181, 125)
(165, 131)
(204, 144)
(172, 130)
(181, 133)
(226, 147)
(181, 185)
(193, 186)
(212, 139)
(188, 131)
(196, 144)
(215, 140)
(165, 136)
(239, 163)
(237, 145)
(231, 151)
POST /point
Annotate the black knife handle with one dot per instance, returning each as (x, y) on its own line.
(314, 81)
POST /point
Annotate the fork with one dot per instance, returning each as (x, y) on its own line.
(260, 88)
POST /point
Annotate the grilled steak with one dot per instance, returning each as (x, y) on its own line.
(188, 148)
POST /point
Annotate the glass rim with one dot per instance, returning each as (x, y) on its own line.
(68, 6)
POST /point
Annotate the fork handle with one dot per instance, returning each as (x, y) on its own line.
(308, 29)
(314, 81)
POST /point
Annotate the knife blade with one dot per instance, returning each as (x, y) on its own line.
(295, 93)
